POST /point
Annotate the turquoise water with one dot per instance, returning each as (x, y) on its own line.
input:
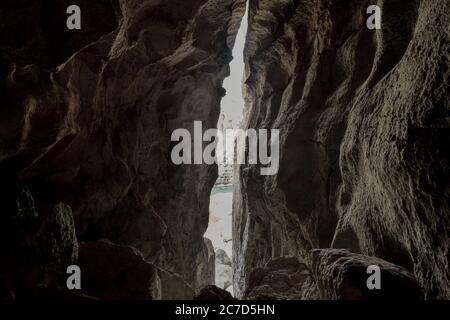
(222, 189)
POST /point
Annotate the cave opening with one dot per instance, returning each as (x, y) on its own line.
(221, 199)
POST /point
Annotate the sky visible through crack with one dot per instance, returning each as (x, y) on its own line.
(232, 106)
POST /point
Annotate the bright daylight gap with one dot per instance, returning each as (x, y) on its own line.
(220, 210)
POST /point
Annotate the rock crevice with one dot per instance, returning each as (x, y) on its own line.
(85, 140)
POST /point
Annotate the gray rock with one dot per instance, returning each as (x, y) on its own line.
(224, 270)
(284, 278)
(174, 287)
(205, 265)
(342, 275)
(364, 136)
(222, 257)
(85, 143)
(90, 117)
(224, 276)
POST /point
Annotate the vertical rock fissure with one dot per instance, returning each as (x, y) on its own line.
(220, 220)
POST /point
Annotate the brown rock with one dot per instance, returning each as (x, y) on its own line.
(111, 271)
(87, 117)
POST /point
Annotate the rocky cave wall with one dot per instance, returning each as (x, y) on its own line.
(364, 133)
(85, 131)
(85, 170)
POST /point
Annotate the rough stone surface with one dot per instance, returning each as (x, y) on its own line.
(85, 142)
(342, 275)
(37, 243)
(224, 270)
(364, 135)
(58, 236)
(59, 294)
(87, 117)
(213, 293)
(284, 278)
(175, 287)
(111, 271)
(206, 265)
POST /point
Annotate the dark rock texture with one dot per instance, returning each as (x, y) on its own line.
(213, 293)
(284, 278)
(342, 275)
(87, 116)
(36, 243)
(34, 32)
(175, 287)
(206, 265)
(115, 272)
(224, 270)
(364, 120)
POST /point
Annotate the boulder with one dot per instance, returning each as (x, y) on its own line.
(224, 270)
(343, 275)
(284, 278)
(111, 271)
(213, 293)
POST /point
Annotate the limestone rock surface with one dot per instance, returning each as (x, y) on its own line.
(364, 135)
(342, 275)
(87, 117)
(206, 266)
(224, 270)
(284, 278)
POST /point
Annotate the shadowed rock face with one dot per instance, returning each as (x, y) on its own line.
(87, 116)
(117, 272)
(281, 279)
(364, 120)
(34, 31)
(340, 274)
(35, 248)
(331, 274)
(213, 293)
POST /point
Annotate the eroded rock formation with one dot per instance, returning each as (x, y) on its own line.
(283, 278)
(224, 270)
(117, 272)
(364, 120)
(85, 133)
(341, 275)
(86, 118)
(213, 293)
